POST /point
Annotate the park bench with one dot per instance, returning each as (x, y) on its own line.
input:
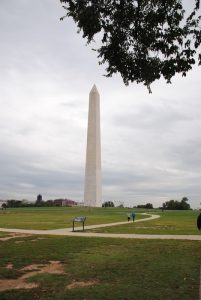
(79, 220)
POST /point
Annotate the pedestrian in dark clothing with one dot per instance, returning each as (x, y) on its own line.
(133, 215)
(199, 221)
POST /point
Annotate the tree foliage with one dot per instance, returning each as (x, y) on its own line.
(108, 204)
(143, 40)
(177, 205)
(147, 205)
(4, 206)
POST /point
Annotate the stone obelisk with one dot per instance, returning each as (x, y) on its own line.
(92, 190)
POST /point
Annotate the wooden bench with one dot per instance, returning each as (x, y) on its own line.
(79, 220)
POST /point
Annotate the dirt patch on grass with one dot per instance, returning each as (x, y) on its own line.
(9, 266)
(54, 267)
(78, 284)
(11, 284)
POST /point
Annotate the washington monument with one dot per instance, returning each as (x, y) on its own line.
(92, 189)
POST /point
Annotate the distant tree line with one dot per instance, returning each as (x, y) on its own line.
(108, 204)
(177, 205)
(148, 206)
(18, 203)
(38, 203)
(169, 205)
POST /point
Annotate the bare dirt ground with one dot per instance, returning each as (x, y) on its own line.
(77, 284)
(54, 267)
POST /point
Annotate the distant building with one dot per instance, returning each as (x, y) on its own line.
(39, 198)
(64, 202)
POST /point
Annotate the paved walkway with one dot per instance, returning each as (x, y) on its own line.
(69, 232)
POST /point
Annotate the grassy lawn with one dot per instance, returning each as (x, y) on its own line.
(99, 268)
(170, 222)
(109, 268)
(59, 217)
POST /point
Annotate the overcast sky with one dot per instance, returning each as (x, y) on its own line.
(151, 143)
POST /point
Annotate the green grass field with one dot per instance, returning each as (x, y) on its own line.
(99, 268)
(170, 222)
(59, 217)
(109, 268)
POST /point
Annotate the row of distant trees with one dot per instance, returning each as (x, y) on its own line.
(38, 203)
(148, 206)
(108, 204)
(111, 204)
(169, 205)
(177, 205)
(17, 203)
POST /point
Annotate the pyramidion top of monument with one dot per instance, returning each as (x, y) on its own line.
(94, 89)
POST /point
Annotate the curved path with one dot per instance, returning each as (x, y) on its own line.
(69, 232)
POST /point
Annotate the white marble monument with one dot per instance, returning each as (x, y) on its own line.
(92, 190)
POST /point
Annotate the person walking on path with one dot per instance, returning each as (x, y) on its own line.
(199, 221)
(133, 215)
(129, 216)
